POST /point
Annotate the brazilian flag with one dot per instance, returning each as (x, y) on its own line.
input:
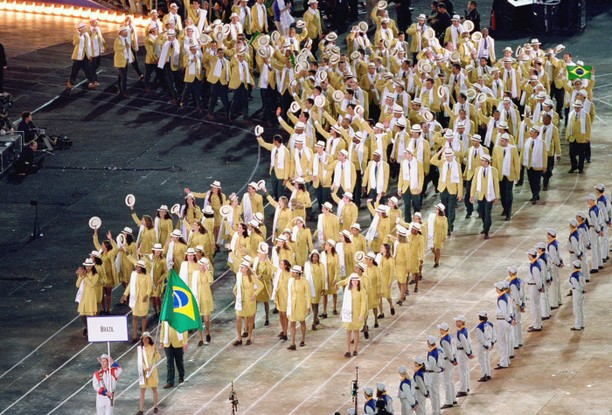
(579, 72)
(180, 308)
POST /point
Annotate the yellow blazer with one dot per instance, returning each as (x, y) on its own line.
(515, 163)
(211, 78)
(483, 191)
(235, 82)
(366, 176)
(313, 24)
(259, 19)
(444, 183)
(404, 186)
(119, 47)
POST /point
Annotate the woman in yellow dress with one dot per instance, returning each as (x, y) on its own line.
(282, 213)
(138, 292)
(148, 356)
(282, 251)
(402, 252)
(314, 271)
(97, 259)
(264, 270)
(163, 224)
(174, 250)
(255, 238)
(127, 249)
(246, 289)
(87, 279)
(108, 255)
(202, 279)
(440, 232)
(238, 247)
(199, 236)
(372, 282)
(300, 198)
(208, 221)
(380, 226)
(302, 237)
(387, 276)
(160, 276)
(298, 304)
(354, 309)
(331, 261)
(280, 294)
(146, 235)
(190, 211)
(215, 199)
(188, 266)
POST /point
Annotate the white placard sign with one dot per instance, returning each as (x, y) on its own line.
(107, 329)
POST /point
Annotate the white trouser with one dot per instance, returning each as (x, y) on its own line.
(503, 333)
(605, 244)
(449, 382)
(406, 409)
(421, 402)
(517, 331)
(545, 301)
(434, 392)
(555, 288)
(596, 261)
(103, 405)
(578, 308)
(536, 311)
(484, 361)
(464, 371)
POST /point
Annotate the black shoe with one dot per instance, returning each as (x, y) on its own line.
(580, 171)
(376, 325)
(575, 329)
(507, 218)
(488, 377)
(347, 354)
(392, 311)
(499, 367)
(531, 329)
(181, 380)
(381, 316)
(207, 338)
(292, 347)
(238, 343)
(601, 267)
(483, 379)
(168, 385)
(84, 332)
(335, 312)
(248, 343)
(468, 215)
(436, 265)
(366, 334)
(461, 394)
(324, 315)
(572, 170)
(267, 323)
(447, 405)
(594, 271)
(545, 188)
(482, 232)
(302, 344)
(200, 343)
(314, 327)
(284, 338)
(245, 334)
(275, 311)
(546, 318)
(355, 353)
(486, 235)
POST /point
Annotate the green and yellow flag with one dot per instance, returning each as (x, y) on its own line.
(579, 72)
(180, 308)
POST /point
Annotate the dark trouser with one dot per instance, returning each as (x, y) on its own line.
(174, 355)
(323, 194)
(431, 177)
(357, 189)
(467, 184)
(413, 201)
(240, 102)
(277, 186)
(193, 89)
(587, 152)
(1, 79)
(122, 80)
(404, 16)
(135, 64)
(95, 64)
(286, 100)
(521, 176)
(315, 46)
(559, 95)
(373, 194)
(450, 203)
(394, 169)
(549, 170)
(577, 155)
(77, 66)
(484, 210)
(535, 179)
(267, 100)
(218, 91)
(150, 69)
(170, 82)
(506, 195)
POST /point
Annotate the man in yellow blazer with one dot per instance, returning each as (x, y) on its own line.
(194, 73)
(312, 18)
(450, 182)
(344, 174)
(240, 80)
(486, 191)
(550, 136)
(259, 17)
(280, 163)
(321, 181)
(578, 133)
(508, 164)
(218, 78)
(376, 176)
(535, 160)
(123, 57)
(81, 55)
(410, 183)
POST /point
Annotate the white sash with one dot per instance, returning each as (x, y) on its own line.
(340, 251)
(377, 179)
(320, 234)
(506, 166)
(454, 171)
(310, 278)
(133, 281)
(142, 355)
(290, 297)
(347, 306)
(548, 137)
(280, 163)
(373, 229)
(184, 272)
(166, 334)
(410, 173)
(170, 255)
(163, 57)
(345, 178)
(238, 303)
(79, 294)
(572, 117)
(430, 230)
(248, 208)
(275, 281)
(195, 278)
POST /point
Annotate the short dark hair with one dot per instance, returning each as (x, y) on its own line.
(473, 3)
(25, 114)
(278, 138)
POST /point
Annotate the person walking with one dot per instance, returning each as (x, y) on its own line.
(104, 382)
(148, 356)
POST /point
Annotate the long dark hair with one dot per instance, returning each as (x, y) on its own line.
(202, 229)
(213, 193)
(350, 287)
(286, 265)
(244, 230)
(148, 221)
(129, 239)
(150, 341)
(388, 250)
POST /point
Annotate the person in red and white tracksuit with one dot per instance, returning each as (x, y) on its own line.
(104, 383)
